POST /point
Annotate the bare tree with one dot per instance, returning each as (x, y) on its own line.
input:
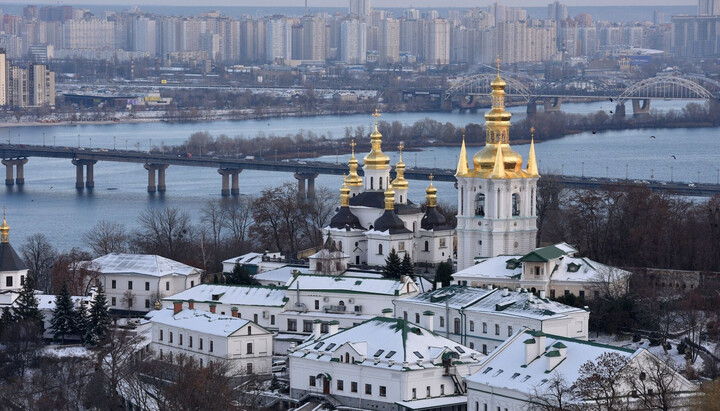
(39, 255)
(106, 237)
(279, 219)
(164, 231)
(213, 219)
(653, 382)
(74, 269)
(554, 395)
(600, 382)
(238, 220)
(319, 209)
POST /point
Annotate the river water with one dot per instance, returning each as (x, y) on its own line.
(49, 203)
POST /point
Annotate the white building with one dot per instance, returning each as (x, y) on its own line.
(483, 318)
(211, 337)
(353, 42)
(496, 198)
(134, 282)
(554, 270)
(261, 305)
(522, 366)
(376, 216)
(46, 305)
(383, 364)
(278, 39)
(13, 269)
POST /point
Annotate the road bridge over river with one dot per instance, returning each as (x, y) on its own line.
(16, 156)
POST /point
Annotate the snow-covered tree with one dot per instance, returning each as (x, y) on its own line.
(64, 321)
(98, 322)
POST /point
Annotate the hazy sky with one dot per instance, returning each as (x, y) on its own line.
(378, 3)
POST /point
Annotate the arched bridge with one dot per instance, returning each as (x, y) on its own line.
(470, 91)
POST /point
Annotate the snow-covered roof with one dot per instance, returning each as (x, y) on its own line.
(456, 296)
(282, 274)
(141, 264)
(309, 282)
(390, 343)
(249, 258)
(47, 301)
(583, 269)
(433, 403)
(521, 304)
(240, 295)
(494, 267)
(506, 368)
(200, 321)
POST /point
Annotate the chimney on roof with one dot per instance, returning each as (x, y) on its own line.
(191, 304)
(177, 307)
(387, 312)
(534, 346)
(542, 294)
(438, 285)
(212, 308)
(234, 312)
(505, 292)
(531, 297)
(333, 327)
(317, 326)
(428, 321)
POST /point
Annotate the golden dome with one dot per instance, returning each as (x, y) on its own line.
(376, 159)
(431, 194)
(4, 230)
(390, 197)
(400, 183)
(353, 179)
(344, 195)
(484, 160)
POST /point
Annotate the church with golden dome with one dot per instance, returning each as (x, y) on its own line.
(496, 197)
(375, 215)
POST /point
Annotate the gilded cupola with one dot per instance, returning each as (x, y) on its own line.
(353, 179)
(431, 194)
(4, 231)
(400, 183)
(376, 159)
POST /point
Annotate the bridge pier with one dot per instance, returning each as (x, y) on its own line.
(619, 110)
(152, 169)
(81, 182)
(310, 179)
(553, 104)
(640, 107)
(228, 174)
(531, 108)
(19, 163)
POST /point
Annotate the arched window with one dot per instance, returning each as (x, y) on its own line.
(480, 205)
(414, 226)
(462, 200)
(400, 198)
(516, 205)
(339, 246)
(379, 248)
(347, 357)
(371, 182)
(341, 303)
(427, 246)
(380, 183)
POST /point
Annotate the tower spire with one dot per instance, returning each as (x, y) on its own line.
(431, 194)
(344, 194)
(532, 168)
(462, 166)
(4, 230)
(376, 159)
(390, 197)
(400, 183)
(353, 179)
(499, 167)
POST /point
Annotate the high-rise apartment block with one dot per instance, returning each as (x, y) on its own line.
(353, 43)
(709, 7)
(360, 8)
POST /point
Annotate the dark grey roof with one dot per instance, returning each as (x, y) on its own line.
(433, 220)
(390, 221)
(344, 218)
(376, 199)
(9, 259)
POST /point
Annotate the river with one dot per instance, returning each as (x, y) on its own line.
(48, 202)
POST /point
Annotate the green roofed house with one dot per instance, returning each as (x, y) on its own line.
(550, 271)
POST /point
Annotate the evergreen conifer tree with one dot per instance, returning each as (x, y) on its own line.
(64, 319)
(99, 318)
(82, 322)
(26, 305)
(393, 265)
(6, 320)
(443, 274)
(240, 276)
(406, 267)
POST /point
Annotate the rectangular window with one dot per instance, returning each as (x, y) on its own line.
(167, 285)
(113, 301)
(170, 340)
(161, 335)
(442, 242)
(249, 330)
(180, 339)
(249, 348)
(401, 246)
(113, 284)
(442, 389)
(147, 303)
(442, 321)
(147, 286)
(312, 381)
(190, 341)
(484, 328)
(417, 318)
(340, 385)
(368, 389)
(484, 349)
(317, 304)
(383, 391)
(509, 330)
(211, 346)
(22, 280)
(472, 325)
(414, 393)
(567, 292)
(8, 281)
(272, 320)
(200, 344)
(292, 325)
(130, 302)
(129, 285)
(427, 391)
(255, 318)
(552, 293)
(472, 345)
(307, 326)
(192, 284)
(353, 387)
(497, 329)
(582, 293)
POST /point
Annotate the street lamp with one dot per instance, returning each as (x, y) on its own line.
(606, 171)
(78, 140)
(91, 143)
(626, 171)
(652, 174)
(114, 143)
(43, 139)
(150, 148)
(126, 145)
(583, 169)
(698, 180)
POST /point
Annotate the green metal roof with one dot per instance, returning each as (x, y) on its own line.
(543, 255)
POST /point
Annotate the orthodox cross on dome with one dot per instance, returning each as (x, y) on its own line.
(400, 148)
(431, 176)
(532, 131)
(376, 114)
(352, 146)
(497, 61)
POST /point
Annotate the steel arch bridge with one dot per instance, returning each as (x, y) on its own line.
(666, 87)
(479, 85)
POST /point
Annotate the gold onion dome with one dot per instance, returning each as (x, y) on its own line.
(344, 195)
(400, 183)
(376, 159)
(4, 230)
(431, 194)
(353, 179)
(497, 134)
(390, 197)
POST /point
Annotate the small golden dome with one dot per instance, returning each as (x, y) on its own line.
(353, 179)
(431, 194)
(390, 197)
(498, 83)
(376, 159)
(400, 183)
(344, 195)
(484, 160)
(4, 230)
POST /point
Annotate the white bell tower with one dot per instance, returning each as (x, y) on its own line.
(496, 198)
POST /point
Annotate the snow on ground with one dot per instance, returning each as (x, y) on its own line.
(66, 351)
(677, 359)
